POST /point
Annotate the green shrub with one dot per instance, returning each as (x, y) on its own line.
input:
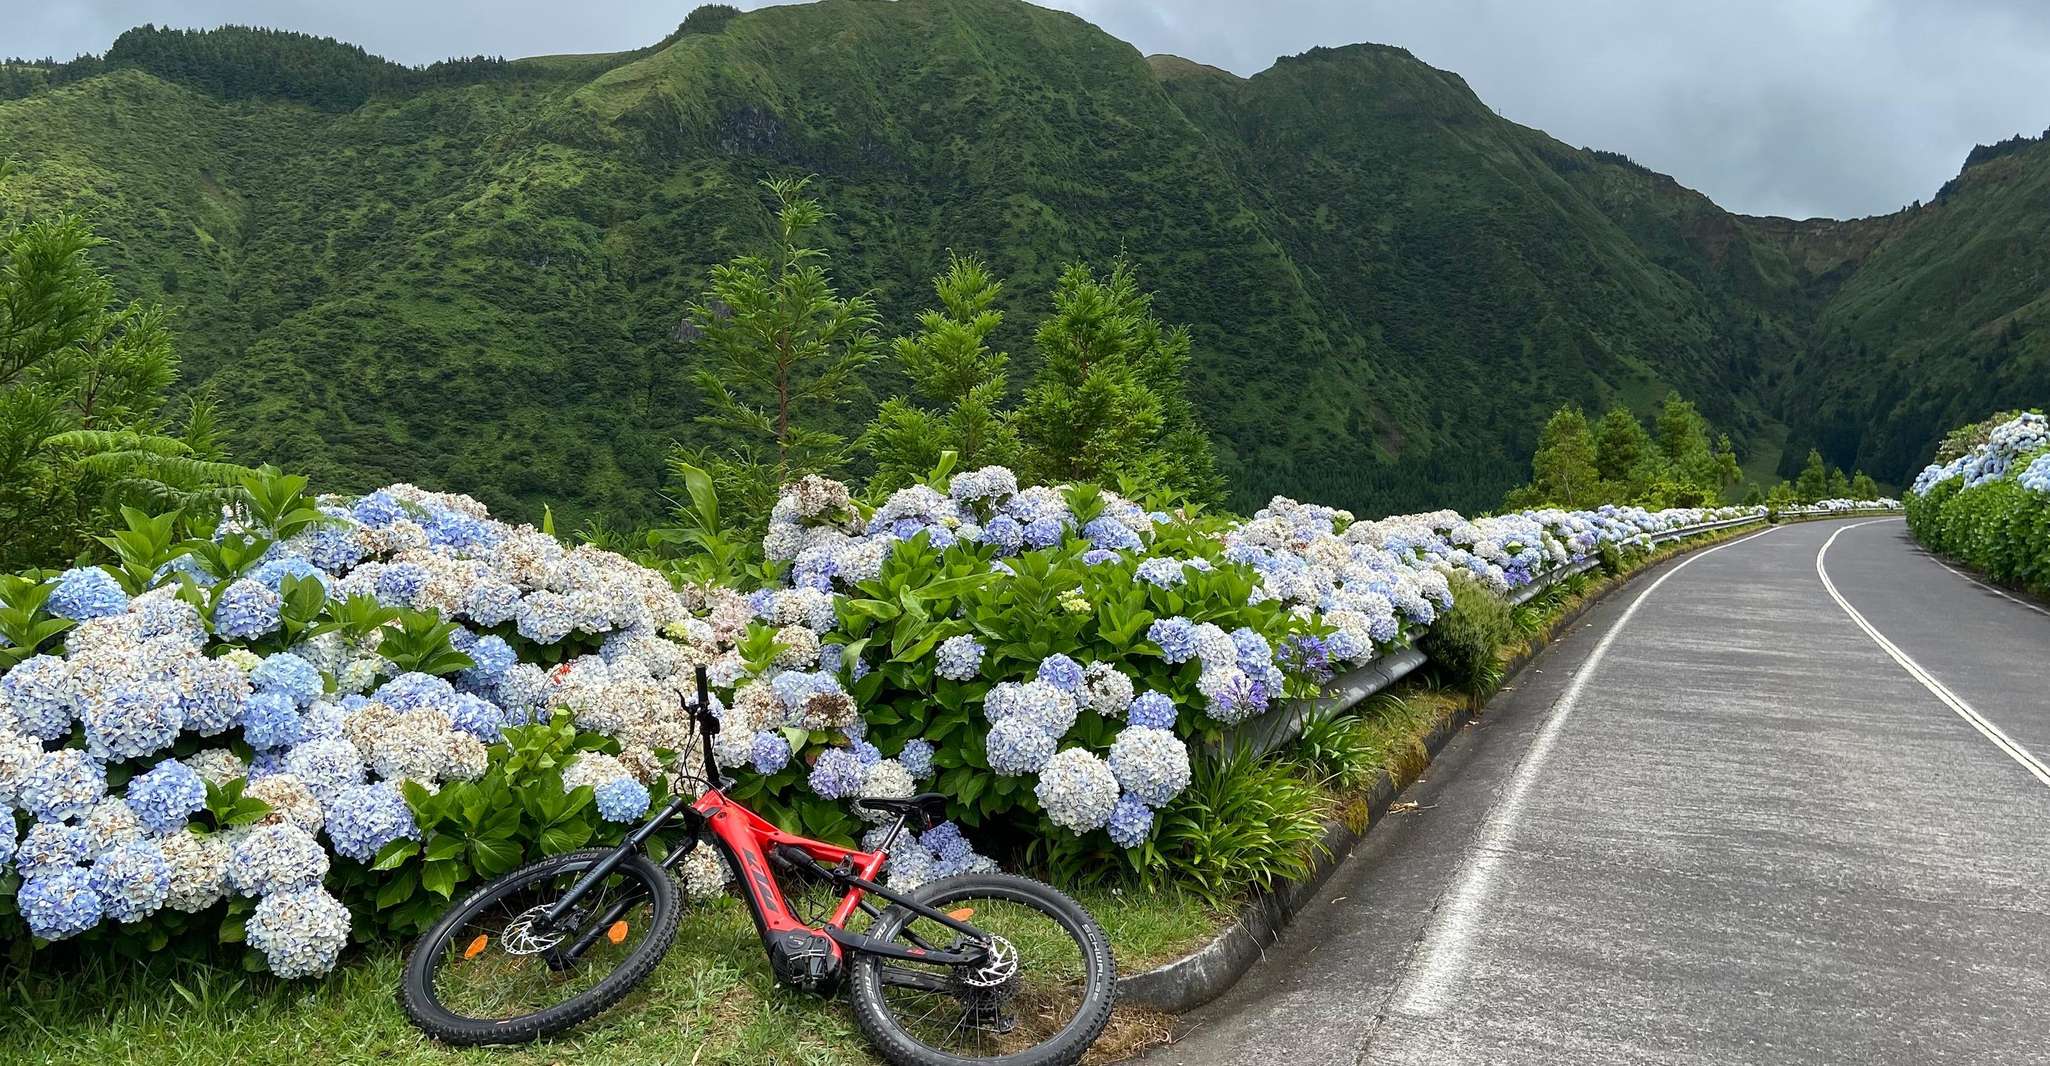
(1463, 642)
(1340, 750)
(2000, 528)
(1246, 822)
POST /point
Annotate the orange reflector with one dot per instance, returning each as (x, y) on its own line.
(476, 947)
(616, 934)
(962, 915)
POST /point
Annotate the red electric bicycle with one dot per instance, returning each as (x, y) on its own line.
(975, 968)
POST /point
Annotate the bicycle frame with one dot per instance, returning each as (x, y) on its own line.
(752, 845)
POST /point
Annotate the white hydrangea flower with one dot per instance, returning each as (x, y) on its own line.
(1077, 790)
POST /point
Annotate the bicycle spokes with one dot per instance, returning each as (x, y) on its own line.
(507, 961)
(1029, 982)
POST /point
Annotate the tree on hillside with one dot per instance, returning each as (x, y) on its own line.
(962, 382)
(1110, 403)
(1813, 482)
(1625, 456)
(778, 349)
(1863, 487)
(83, 384)
(1563, 472)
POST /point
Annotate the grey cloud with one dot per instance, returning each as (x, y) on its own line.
(1837, 108)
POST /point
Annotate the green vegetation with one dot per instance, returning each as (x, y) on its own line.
(1463, 641)
(712, 1001)
(83, 387)
(478, 279)
(1618, 461)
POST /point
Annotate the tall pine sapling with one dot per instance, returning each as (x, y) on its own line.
(959, 379)
(1110, 403)
(778, 350)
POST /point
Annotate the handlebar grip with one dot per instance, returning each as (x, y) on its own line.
(707, 721)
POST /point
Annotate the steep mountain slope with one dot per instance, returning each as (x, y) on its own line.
(473, 275)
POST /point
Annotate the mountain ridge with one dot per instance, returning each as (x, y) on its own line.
(1387, 283)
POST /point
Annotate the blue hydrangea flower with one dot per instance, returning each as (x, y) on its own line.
(380, 508)
(1151, 710)
(1166, 573)
(492, 602)
(246, 610)
(622, 799)
(132, 724)
(1176, 638)
(1061, 672)
(63, 784)
(1255, 654)
(288, 675)
(1049, 710)
(300, 932)
(1017, 746)
(493, 657)
(59, 903)
(328, 765)
(7, 842)
(770, 752)
(1099, 556)
(277, 857)
(410, 692)
(39, 689)
(167, 796)
(51, 846)
(1130, 821)
(332, 547)
(85, 593)
(837, 774)
(210, 695)
(946, 841)
(362, 819)
(1105, 532)
(1005, 533)
(132, 881)
(959, 658)
(1044, 532)
(400, 583)
(917, 757)
(478, 717)
(545, 617)
(273, 572)
(271, 720)
(265, 763)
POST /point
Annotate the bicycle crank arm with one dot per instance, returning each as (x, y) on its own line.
(871, 946)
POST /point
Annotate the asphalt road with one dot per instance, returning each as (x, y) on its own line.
(1719, 822)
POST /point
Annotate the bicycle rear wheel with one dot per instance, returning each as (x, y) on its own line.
(1040, 998)
(483, 975)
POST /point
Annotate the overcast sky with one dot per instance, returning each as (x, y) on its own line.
(1794, 107)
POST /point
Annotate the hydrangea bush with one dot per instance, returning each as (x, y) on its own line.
(300, 699)
(1990, 506)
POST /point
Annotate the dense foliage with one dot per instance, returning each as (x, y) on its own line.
(83, 386)
(481, 284)
(1987, 503)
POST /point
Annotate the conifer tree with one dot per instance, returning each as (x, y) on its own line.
(960, 380)
(778, 350)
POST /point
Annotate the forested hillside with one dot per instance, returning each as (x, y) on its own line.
(474, 274)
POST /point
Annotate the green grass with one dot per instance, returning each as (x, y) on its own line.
(711, 1002)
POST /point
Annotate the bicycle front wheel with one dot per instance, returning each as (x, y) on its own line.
(1040, 998)
(485, 974)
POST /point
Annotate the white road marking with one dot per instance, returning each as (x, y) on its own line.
(1942, 692)
(1427, 986)
(1997, 592)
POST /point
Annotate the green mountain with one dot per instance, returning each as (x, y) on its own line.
(473, 274)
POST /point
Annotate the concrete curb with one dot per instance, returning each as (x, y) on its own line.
(1211, 970)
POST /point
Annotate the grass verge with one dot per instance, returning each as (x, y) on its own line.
(712, 1002)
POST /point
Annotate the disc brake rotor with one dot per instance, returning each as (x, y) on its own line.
(520, 938)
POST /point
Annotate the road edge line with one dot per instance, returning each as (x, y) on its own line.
(1942, 692)
(1424, 990)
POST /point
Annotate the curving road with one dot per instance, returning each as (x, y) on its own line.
(1779, 803)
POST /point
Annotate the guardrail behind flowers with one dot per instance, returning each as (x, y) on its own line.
(1367, 679)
